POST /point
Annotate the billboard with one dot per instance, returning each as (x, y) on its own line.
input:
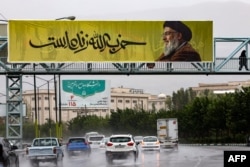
(77, 93)
(107, 41)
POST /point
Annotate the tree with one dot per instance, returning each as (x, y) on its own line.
(182, 98)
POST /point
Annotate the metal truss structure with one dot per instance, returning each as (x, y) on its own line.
(226, 62)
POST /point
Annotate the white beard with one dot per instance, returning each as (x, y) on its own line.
(171, 47)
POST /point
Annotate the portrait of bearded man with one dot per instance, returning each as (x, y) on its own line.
(176, 36)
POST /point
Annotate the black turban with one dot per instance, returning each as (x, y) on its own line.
(179, 27)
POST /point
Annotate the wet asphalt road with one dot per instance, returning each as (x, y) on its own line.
(184, 156)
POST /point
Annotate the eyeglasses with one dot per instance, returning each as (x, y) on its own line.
(168, 33)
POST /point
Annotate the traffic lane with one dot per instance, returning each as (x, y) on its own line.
(184, 156)
(189, 156)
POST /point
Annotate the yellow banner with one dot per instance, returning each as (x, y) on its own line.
(99, 41)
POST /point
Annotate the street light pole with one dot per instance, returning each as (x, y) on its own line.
(36, 125)
(60, 109)
(55, 87)
(49, 111)
(38, 112)
(48, 94)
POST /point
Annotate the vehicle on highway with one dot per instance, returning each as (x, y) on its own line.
(9, 157)
(150, 143)
(121, 146)
(167, 132)
(88, 134)
(77, 146)
(138, 139)
(104, 143)
(47, 149)
(95, 141)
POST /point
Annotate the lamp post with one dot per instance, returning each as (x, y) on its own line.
(48, 81)
(60, 109)
(55, 83)
(36, 124)
(48, 94)
(56, 108)
(35, 106)
(59, 127)
(38, 112)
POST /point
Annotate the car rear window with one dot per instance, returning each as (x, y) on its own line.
(77, 140)
(45, 142)
(120, 139)
(150, 139)
(96, 138)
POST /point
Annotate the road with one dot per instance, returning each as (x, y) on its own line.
(184, 156)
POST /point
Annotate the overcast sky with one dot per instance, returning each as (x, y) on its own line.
(51, 9)
(230, 20)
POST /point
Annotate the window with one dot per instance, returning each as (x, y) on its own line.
(120, 139)
(119, 101)
(77, 140)
(150, 139)
(112, 100)
(46, 98)
(47, 142)
(134, 101)
(127, 101)
(36, 143)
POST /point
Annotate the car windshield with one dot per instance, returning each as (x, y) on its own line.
(150, 139)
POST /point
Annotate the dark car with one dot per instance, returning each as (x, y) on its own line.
(8, 157)
(77, 146)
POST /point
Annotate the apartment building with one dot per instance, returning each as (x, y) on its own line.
(121, 98)
(221, 88)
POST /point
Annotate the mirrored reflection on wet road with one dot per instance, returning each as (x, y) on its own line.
(184, 156)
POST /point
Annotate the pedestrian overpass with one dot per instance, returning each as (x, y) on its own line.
(226, 62)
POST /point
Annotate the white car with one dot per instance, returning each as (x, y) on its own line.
(150, 143)
(104, 143)
(88, 134)
(138, 139)
(121, 146)
(95, 141)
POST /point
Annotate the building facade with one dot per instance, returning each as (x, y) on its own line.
(121, 98)
(221, 88)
